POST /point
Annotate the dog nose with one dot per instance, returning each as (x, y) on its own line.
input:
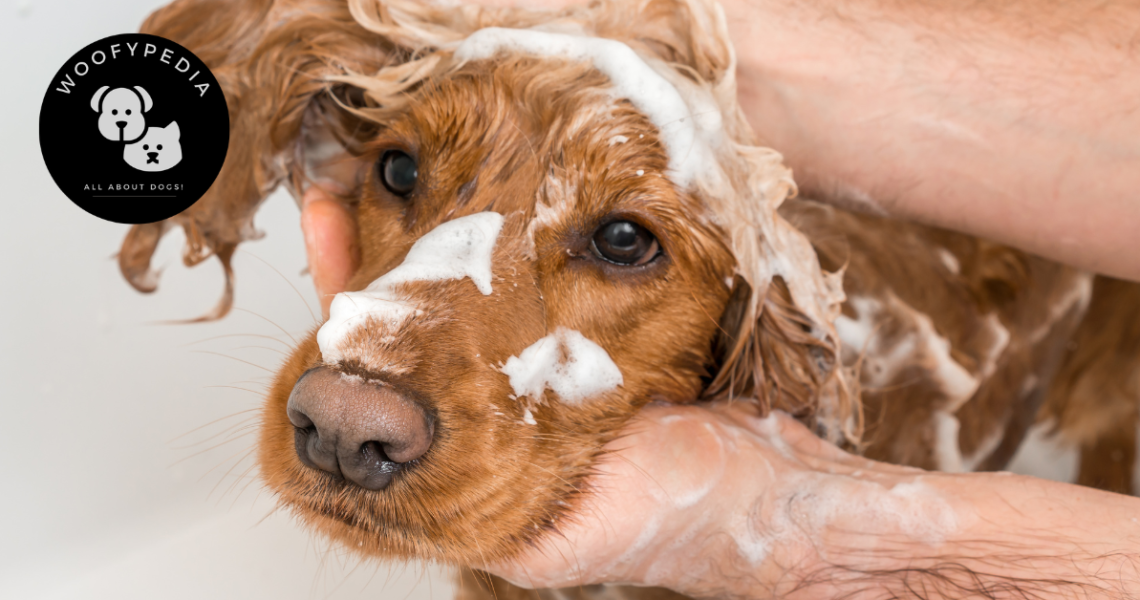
(362, 430)
(121, 124)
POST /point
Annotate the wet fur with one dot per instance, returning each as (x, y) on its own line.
(524, 137)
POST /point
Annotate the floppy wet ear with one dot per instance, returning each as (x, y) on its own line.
(274, 65)
(773, 352)
(98, 97)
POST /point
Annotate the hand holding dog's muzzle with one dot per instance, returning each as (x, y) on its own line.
(690, 495)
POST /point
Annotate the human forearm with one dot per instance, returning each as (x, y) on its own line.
(1014, 537)
(838, 528)
(1017, 121)
(715, 503)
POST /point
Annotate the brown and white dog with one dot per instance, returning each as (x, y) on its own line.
(563, 217)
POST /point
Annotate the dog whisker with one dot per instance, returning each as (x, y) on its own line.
(312, 315)
(218, 420)
(267, 320)
(234, 387)
(214, 447)
(231, 335)
(233, 358)
(244, 424)
(278, 351)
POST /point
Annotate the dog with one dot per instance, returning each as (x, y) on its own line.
(121, 112)
(546, 248)
(158, 150)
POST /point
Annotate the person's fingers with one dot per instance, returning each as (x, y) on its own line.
(664, 454)
(330, 241)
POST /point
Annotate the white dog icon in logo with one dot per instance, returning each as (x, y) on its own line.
(158, 150)
(121, 112)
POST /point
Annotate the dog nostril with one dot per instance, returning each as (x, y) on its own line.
(313, 452)
(361, 430)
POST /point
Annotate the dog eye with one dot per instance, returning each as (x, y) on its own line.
(146, 147)
(158, 147)
(114, 111)
(398, 172)
(128, 111)
(625, 243)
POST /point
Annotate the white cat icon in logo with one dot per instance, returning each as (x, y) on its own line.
(158, 150)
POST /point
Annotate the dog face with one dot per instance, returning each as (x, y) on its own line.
(121, 111)
(546, 247)
(158, 150)
(522, 356)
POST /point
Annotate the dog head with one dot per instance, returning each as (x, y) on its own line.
(158, 150)
(560, 220)
(121, 117)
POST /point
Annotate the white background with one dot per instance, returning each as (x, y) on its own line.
(100, 497)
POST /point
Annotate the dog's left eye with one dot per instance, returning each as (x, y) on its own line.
(398, 172)
(625, 243)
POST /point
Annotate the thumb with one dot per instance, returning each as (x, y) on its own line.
(330, 241)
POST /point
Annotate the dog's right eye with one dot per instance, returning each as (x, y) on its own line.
(114, 111)
(398, 172)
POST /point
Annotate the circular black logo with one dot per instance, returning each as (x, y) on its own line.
(134, 128)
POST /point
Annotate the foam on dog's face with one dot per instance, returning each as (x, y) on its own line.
(158, 150)
(454, 250)
(121, 116)
(482, 297)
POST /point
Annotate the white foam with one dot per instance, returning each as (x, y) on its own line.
(686, 135)
(574, 367)
(456, 249)
(947, 453)
(949, 260)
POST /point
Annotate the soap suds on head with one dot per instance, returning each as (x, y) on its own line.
(456, 249)
(947, 453)
(949, 260)
(686, 136)
(572, 366)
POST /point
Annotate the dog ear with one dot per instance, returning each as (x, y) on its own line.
(273, 61)
(147, 102)
(778, 343)
(98, 97)
(173, 129)
(779, 358)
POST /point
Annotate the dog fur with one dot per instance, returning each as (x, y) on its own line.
(907, 343)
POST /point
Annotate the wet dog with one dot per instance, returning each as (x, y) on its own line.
(564, 216)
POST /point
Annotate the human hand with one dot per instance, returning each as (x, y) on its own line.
(689, 495)
(330, 243)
